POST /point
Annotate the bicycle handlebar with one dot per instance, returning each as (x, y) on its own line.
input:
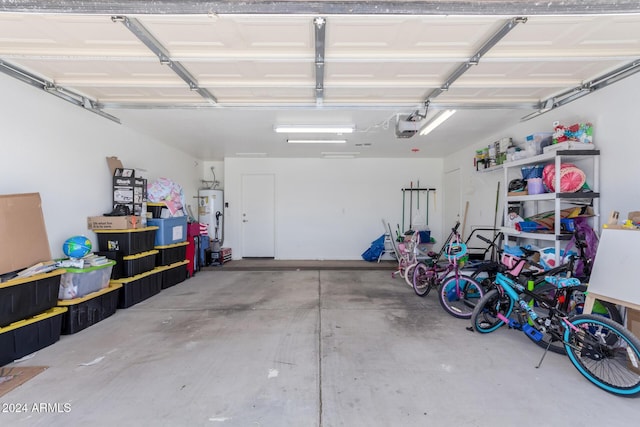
(484, 239)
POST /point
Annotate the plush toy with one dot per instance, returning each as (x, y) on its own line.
(558, 133)
(68, 290)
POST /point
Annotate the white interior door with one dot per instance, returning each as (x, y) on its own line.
(258, 216)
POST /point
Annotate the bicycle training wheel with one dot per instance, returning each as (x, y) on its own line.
(604, 352)
(576, 298)
(423, 279)
(459, 295)
(485, 317)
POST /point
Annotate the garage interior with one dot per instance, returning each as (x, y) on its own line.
(194, 91)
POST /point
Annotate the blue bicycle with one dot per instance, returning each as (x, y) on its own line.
(603, 351)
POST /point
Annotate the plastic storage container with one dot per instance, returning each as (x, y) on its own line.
(29, 335)
(138, 288)
(170, 230)
(117, 271)
(90, 309)
(78, 282)
(174, 274)
(537, 141)
(170, 254)
(534, 186)
(155, 209)
(25, 297)
(127, 242)
(139, 263)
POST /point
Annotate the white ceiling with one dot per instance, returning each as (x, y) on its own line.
(256, 70)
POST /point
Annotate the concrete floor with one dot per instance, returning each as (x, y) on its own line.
(304, 348)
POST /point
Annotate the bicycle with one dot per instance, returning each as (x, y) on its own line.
(603, 351)
(569, 300)
(457, 293)
(418, 255)
(406, 257)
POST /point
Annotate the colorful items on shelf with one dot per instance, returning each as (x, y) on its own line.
(580, 132)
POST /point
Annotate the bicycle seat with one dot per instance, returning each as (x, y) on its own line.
(563, 282)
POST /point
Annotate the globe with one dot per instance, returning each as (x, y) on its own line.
(76, 246)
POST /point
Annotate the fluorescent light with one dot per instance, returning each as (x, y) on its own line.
(316, 141)
(437, 121)
(340, 156)
(313, 129)
(251, 154)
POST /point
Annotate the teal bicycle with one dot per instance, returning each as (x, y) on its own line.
(603, 351)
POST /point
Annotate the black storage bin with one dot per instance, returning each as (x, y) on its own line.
(138, 288)
(174, 274)
(170, 254)
(89, 310)
(133, 265)
(127, 242)
(155, 209)
(26, 336)
(21, 298)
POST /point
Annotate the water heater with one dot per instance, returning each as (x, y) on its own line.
(210, 212)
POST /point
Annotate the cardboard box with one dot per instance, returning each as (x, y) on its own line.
(23, 236)
(634, 216)
(114, 222)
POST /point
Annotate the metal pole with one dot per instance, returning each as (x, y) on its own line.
(403, 203)
(411, 206)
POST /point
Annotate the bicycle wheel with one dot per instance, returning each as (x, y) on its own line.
(402, 267)
(604, 352)
(459, 295)
(423, 279)
(408, 274)
(484, 318)
(576, 303)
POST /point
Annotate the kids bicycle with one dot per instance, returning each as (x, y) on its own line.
(406, 257)
(569, 300)
(457, 293)
(603, 351)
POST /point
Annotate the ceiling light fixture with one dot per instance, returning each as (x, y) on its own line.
(251, 154)
(436, 121)
(339, 154)
(316, 141)
(313, 129)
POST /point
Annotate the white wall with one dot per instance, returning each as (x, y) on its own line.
(614, 114)
(212, 171)
(59, 150)
(326, 209)
(332, 208)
